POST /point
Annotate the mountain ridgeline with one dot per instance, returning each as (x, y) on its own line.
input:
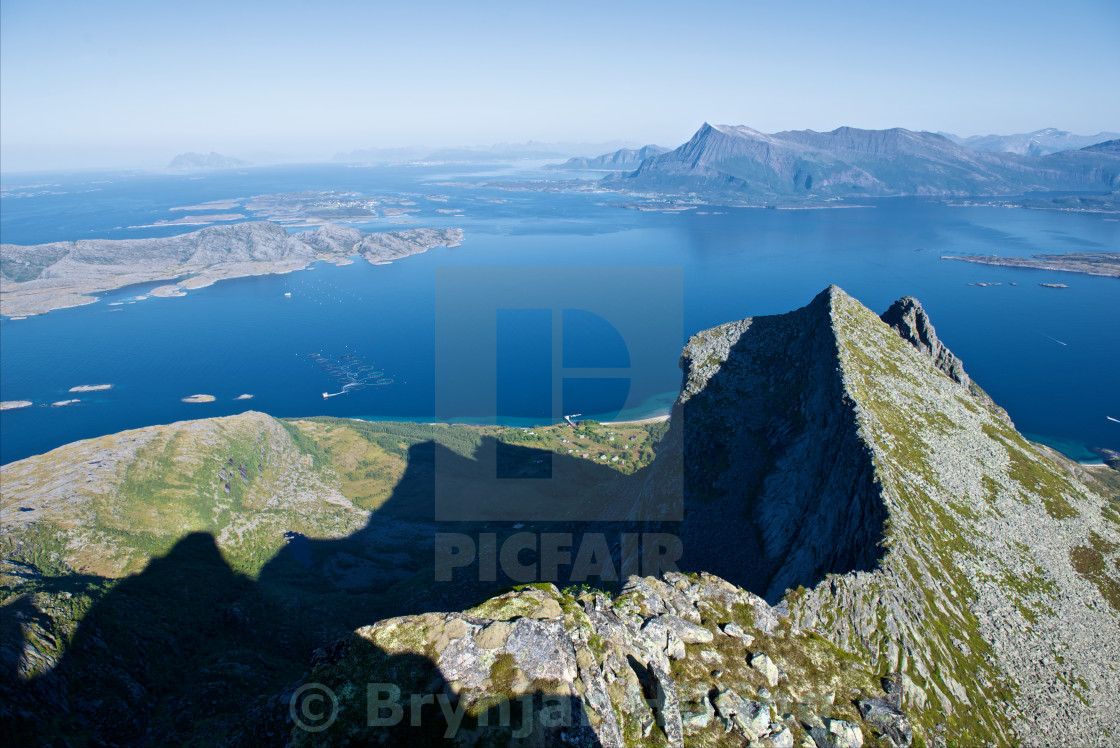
(872, 556)
(621, 160)
(847, 162)
(1037, 143)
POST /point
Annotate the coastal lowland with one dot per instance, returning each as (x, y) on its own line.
(36, 279)
(1087, 263)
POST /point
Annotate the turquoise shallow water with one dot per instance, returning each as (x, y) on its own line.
(1049, 356)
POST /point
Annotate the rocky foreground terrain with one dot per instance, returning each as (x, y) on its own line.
(872, 556)
(36, 279)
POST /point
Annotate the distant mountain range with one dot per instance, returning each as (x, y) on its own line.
(1108, 146)
(622, 159)
(1037, 143)
(743, 163)
(475, 154)
(198, 161)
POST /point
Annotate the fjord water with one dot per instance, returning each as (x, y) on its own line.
(1049, 356)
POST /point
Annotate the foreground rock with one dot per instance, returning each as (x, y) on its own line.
(541, 667)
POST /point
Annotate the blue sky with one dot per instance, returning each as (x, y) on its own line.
(124, 84)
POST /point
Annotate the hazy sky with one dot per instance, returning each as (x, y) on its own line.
(133, 83)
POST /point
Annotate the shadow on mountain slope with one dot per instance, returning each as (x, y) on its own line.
(189, 646)
(776, 493)
(779, 487)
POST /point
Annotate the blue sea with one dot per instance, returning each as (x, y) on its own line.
(1049, 356)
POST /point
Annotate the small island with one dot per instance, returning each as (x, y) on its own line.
(199, 399)
(14, 404)
(1087, 263)
(205, 162)
(91, 387)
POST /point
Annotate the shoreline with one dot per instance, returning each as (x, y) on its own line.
(651, 419)
(400, 419)
(120, 268)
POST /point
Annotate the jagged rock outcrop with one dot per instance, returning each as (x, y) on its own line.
(592, 670)
(910, 320)
(35, 279)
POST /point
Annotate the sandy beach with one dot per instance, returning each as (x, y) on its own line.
(652, 419)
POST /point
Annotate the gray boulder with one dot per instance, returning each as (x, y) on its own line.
(887, 719)
(751, 718)
(763, 664)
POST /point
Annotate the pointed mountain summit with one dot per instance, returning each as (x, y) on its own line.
(742, 162)
(870, 548)
(895, 509)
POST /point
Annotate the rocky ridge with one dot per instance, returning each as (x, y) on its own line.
(926, 581)
(681, 660)
(35, 279)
